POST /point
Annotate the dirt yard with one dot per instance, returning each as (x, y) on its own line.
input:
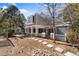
(30, 47)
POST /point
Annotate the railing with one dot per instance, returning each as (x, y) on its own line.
(61, 37)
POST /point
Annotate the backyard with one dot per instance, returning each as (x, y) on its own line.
(34, 46)
(54, 31)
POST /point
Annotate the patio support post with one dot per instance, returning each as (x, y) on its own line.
(65, 36)
(36, 32)
(31, 31)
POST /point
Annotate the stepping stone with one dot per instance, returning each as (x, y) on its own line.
(77, 53)
(40, 40)
(69, 54)
(59, 49)
(44, 42)
(29, 38)
(44, 39)
(35, 39)
(50, 45)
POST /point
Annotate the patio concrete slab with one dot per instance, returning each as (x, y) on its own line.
(49, 45)
(19, 35)
(69, 54)
(59, 49)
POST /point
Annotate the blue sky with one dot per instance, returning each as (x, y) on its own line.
(26, 8)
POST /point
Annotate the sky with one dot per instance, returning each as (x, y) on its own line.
(26, 8)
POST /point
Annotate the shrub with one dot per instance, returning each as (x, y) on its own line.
(10, 33)
(72, 36)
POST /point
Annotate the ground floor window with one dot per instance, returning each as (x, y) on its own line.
(61, 30)
(29, 30)
(41, 30)
(33, 30)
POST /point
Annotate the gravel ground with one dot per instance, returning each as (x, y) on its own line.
(30, 47)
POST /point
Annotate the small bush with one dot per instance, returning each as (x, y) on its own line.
(72, 37)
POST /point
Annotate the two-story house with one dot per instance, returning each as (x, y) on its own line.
(40, 23)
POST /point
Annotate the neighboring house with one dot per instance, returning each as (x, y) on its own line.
(40, 23)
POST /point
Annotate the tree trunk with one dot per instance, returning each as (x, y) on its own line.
(53, 16)
(54, 24)
(47, 33)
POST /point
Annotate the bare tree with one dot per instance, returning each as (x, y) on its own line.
(52, 10)
(69, 10)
